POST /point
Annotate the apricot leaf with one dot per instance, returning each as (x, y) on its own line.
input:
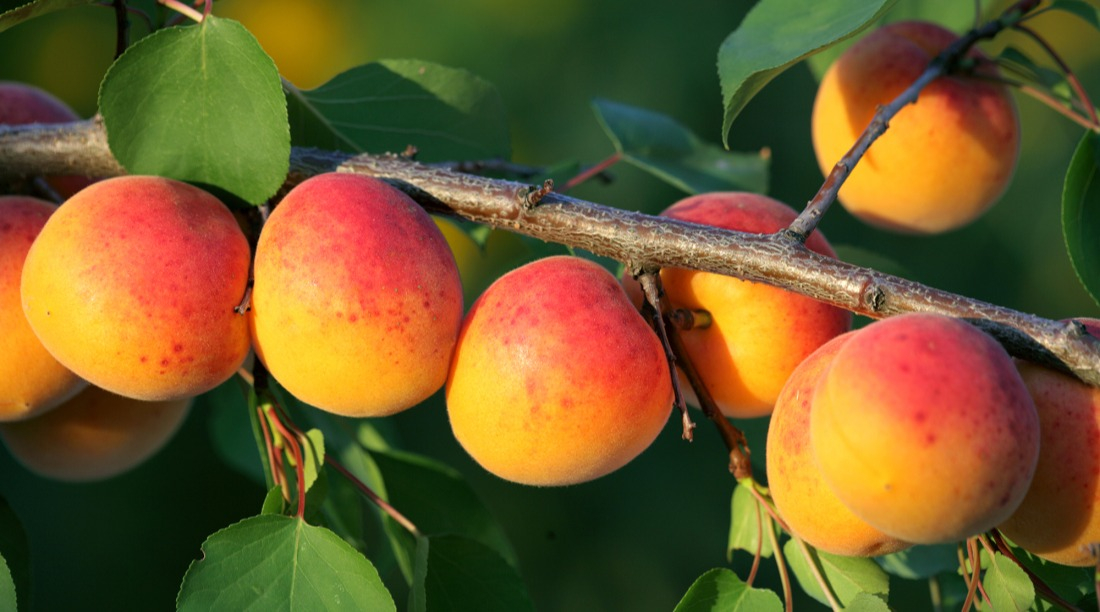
(865, 602)
(383, 107)
(201, 104)
(34, 9)
(1088, 12)
(1008, 585)
(275, 562)
(15, 551)
(1069, 582)
(8, 600)
(457, 573)
(721, 589)
(846, 576)
(666, 149)
(775, 35)
(749, 524)
(231, 430)
(920, 561)
(1081, 213)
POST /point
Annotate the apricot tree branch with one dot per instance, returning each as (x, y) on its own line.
(645, 240)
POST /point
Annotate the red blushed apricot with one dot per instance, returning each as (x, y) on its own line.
(1060, 516)
(808, 506)
(944, 160)
(21, 104)
(93, 436)
(924, 429)
(357, 301)
(132, 285)
(758, 333)
(31, 380)
(557, 379)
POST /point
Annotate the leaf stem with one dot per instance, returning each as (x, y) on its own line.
(183, 9)
(784, 577)
(374, 497)
(595, 170)
(812, 563)
(1071, 77)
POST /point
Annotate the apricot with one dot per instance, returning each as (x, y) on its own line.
(1060, 515)
(758, 334)
(944, 160)
(31, 380)
(22, 104)
(924, 429)
(357, 301)
(805, 502)
(132, 285)
(556, 378)
(93, 436)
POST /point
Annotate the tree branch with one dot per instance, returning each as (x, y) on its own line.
(644, 240)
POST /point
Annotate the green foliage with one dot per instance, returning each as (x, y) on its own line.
(720, 590)
(1007, 585)
(1081, 213)
(34, 9)
(199, 103)
(847, 577)
(383, 107)
(749, 524)
(15, 554)
(661, 146)
(460, 574)
(277, 562)
(1086, 11)
(775, 35)
(920, 561)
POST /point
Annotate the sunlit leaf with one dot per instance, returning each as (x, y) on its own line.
(749, 524)
(846, 576)
(720, 590)
(1008, 586)
(1081, 213)
(775, 35)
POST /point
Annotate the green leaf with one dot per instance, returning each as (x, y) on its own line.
(229, 407)
(720, 590)
(446, 113)
(1068, 582)
(1081, 213)
(666, 149)
(1007, 585)
(920, 561)
(274, 562)
(202, 104)
(313, 456)
(749, 524)
(1016, 61)
(775, 35)
(34, 9)
(273, 502)
(16, 554)
(1086, 11)
(847, 576)
(454, 573)
(865, 602)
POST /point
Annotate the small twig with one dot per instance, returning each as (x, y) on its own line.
(536, 194)
(596, 170)
(374, 497)
(811, 561)
(1071, 77)
(122, 27)
(654, 294)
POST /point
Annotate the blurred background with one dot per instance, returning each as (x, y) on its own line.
(634, 540)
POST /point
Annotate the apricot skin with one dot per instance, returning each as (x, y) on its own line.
(759, 333)
(357, 301)
(807, 505)
(132, 285)
(924, 429)
(93, 436)
(944, 160)
(31, 380)
(22, 104)
(1060, 516)
(556, 378)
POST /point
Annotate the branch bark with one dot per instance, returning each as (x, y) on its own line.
(634, 238)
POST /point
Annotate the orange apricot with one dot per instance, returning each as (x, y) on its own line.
(357, 301)
(132, 285)
(556, 378)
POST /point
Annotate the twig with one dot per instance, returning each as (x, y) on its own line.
(122, 27)
(656, 305)
(374, 497)
(1071, 77)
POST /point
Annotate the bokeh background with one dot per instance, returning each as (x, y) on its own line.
(636, 539)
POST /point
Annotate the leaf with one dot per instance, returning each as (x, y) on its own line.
(274, 562)
(748, 524)
(1084, 10)
(383, 107)
(865, 602)
(1069, 582)
(1016, 61)
(662, 147)
(231, 431)
(34, 9)
(1007, 585)
(313, 456)
(775, 35)
(1081, 213)
(720, 590)
(15, 551)
(920, 561)
(202, 104)
(454, 573)
(848, 576)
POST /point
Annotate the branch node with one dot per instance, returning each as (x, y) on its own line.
(410, 152)
(872, 295)
(686, 319)
(535, 195)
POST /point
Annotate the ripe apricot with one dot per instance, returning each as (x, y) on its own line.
(556, 378)
(944, 160)
(808, 506)
(93, 436)
(757, 334)
(357, 301)
(132, 285)
(924, 429)
(1060, 515)
(22, 104)
(31, 380)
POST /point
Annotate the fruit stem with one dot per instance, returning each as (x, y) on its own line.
(374, 497)
(813, 563)
(598, 169)
(655, 294)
